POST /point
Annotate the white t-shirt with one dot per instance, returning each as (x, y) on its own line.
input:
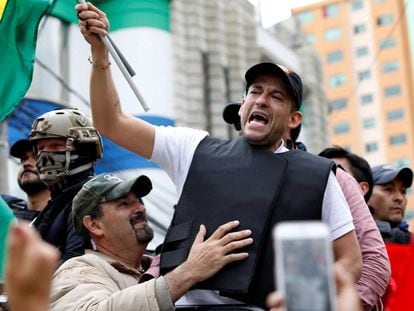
(173, 151)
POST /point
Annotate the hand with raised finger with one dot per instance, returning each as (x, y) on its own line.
(207, 257)
(93, 23)
(30, 265)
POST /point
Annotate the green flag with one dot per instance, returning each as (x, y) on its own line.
(6, 217)
(19, 20)
(121, 13)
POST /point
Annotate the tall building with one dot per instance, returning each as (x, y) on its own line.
(214, 42)
(368, 80)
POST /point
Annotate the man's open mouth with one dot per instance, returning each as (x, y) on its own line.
(258, 117)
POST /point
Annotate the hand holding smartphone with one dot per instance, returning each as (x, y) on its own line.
(304, 265)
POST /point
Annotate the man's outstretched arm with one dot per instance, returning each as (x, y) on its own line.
(125, 130)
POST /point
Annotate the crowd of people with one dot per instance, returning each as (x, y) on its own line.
(86, 246)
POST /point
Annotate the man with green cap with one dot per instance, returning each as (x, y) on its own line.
(115, 274)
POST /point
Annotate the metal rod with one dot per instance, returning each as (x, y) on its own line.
(109, 45)
(128, 67)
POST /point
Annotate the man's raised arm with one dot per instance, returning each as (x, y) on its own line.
(125, 130)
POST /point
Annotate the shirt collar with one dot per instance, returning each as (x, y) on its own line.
(281, 147)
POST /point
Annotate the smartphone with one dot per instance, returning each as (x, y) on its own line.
(304, 265)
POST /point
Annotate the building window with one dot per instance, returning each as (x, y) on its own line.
(337, 80)
(385, 19)
(341, 128)
(311, 38)
(366, 99)
(387, 43)
(334, 57)
(392, 91)
(333, 34)
(330, 10)
(364, 75)
(398, 139)
(360, 28)
(390, 66)
(369, 122)
(337, 104)
(395, 115)
(371, 147)
(357, 5)
(361, 51)
(306, 17)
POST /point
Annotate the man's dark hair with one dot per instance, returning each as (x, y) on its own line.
(291, 143)
(294, 133)
(360, 168)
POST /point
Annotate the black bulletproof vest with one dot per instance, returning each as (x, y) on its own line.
(233, 180)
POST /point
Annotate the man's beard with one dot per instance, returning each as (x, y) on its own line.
(144, 233)
(32, 186)
(269, 140)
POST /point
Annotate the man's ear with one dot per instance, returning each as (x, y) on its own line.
(364, 186)
(295, 119)
(241, 105)
(92, 225)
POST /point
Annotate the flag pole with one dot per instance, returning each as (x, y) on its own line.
(116, 57)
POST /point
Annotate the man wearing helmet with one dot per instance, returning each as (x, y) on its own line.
(66, 146)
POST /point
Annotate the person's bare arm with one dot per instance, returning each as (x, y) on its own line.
(207, 257)
(348, 254)
(346, 294)
(125, 130)
(29, 269)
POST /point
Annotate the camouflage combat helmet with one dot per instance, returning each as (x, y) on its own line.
(83, 143)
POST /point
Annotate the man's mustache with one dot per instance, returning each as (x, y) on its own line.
(140, 216)
(27, 170)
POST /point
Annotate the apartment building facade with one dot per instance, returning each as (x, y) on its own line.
(367, 76)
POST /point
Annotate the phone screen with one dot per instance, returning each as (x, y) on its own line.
(306, 274)
(304, 265)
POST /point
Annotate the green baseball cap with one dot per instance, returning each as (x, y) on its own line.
(103, 188)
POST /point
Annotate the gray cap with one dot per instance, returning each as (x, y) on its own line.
(386, 173)
(103, 188)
